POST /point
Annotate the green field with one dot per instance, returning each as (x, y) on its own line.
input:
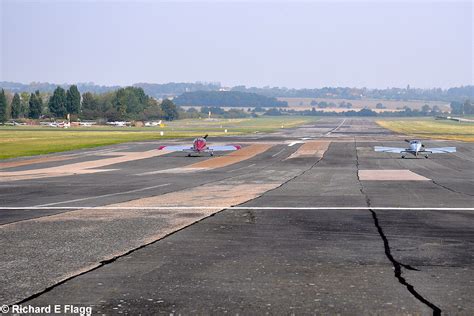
(21, 141)
(431, 128)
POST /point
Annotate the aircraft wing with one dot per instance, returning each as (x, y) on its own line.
(224, 148)
(390, 149)
(175, 148)
(441, 150)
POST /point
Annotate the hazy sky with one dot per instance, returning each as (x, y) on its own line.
(306, 44)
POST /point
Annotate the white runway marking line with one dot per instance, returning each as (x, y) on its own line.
(242, 168)
(278, 152)
(294, 143)
(105, 195)
(329, 133)
(256, 208)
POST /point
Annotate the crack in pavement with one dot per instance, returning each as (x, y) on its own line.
(449, 189)
(388, 253)
(398, 269)
(106, 262)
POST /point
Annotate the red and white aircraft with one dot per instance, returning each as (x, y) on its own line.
(200, 146)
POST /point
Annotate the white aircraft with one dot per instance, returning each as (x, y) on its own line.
(151, 124)
(119, 123)
(57, 124)
(86, 124)
(415, 148)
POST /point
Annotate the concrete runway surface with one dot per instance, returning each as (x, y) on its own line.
(303, 221)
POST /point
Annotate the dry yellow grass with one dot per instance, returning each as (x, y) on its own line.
(431, 129)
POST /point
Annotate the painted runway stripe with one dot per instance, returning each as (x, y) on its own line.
(278, 152)
(244, 167)
(294, 143)
(329, 133)
(256, 208)
(105, 195)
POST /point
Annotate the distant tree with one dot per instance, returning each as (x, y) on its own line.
(35, 105)
(3, 107)
(73, 100)
(25, 98)
(57, 103)
(152, 111)
(90, 106)
(457, 108)
(234, 113)
(323, 105)
(425, 109)
(273, 112)
(435, 110)
(366, 112)
(16, 106)
(314, 102)
(468, 107)
(39, 100)
(380, 106)
(170, 111)
(130, 101)
(215, 110)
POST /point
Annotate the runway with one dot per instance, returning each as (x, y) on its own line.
(308, 220)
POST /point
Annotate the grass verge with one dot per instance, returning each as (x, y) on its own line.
(21, 141)
(431, 128)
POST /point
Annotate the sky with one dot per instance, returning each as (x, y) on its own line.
(374, 44)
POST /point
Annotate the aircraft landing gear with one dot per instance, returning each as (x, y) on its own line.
(403, 157)
(189, 155)
(212, 154)
(426, 156)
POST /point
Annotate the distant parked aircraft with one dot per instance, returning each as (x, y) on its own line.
(56, 124)
(200, 146)
(415, 148)
(86, 124)
(152, 124)
(119, 123)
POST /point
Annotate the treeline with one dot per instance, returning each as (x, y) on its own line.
(215, 111)
(435, 94)
(407, 112)
(154, 90)
(460, 108)
(227, 98)
(173, 89)
(130, 103)
(45, 87)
